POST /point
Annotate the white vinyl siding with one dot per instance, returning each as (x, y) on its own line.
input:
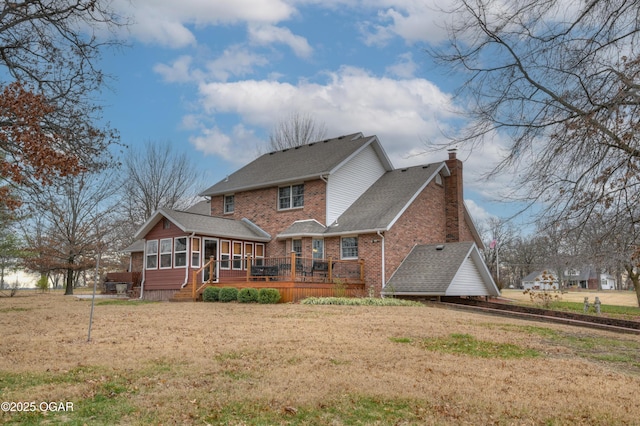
(467, 281)
(351, 180)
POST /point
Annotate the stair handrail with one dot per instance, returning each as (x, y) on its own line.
(210, 264)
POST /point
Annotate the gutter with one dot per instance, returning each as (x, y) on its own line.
(383, 273)
(144, 269)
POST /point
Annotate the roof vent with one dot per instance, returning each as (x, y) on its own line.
(440, 247)
(403, 170)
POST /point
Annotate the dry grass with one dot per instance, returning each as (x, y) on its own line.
(608, 297)
(199, 363)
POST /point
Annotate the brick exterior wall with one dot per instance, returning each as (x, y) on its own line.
(261, 207)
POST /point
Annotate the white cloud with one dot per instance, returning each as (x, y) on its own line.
(270, 34)
(235, 61)
(237, 148)
(412, 20)
(478, 214)
(178, 72)
(405, 67)
(165, 21)
(403, 113)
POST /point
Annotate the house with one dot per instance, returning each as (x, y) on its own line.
(540, 280)
(331, 211)
(587, 277)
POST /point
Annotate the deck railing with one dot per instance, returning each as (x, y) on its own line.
(285, 268)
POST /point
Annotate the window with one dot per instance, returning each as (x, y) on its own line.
(248, 251)
(237, 255)
(259, 254)
(229, 203)
(165, 253)
(195, 252)
(296, 246)
(349, 247)
(318, 248)
(152, 254)
(180, 252)
(225, 254)
(290, 197)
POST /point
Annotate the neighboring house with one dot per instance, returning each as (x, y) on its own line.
(541, 280)
(339, 199)
(588, 278)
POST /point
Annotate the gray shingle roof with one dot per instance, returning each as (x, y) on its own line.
(299, 228)
(383, 202)
(427, 270)
(207, 225)
(303, 162)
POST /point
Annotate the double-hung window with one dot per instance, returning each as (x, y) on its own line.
(152, 254)
(195, 252)
(349, 248)
(290, 197)
(165, 253)
(229, 203)
(180, 252)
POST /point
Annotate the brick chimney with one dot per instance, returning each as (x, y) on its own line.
(454, 204)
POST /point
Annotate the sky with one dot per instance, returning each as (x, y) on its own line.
(213, 77)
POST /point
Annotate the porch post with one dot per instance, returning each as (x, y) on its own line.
(361, 261)
(248, 267)
(193, 285)
(293, 266)
(330, 270)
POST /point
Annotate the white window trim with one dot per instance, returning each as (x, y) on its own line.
(237, 257)
(161, 253)
(342, 251)
(192, 252)
(224, 204)
(228, 260)
(185, 251)
(146, 254)
(291, 207)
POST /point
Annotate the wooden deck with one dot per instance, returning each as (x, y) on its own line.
(309, 278)
(290, 291)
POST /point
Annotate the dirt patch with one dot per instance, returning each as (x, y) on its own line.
(199, 362)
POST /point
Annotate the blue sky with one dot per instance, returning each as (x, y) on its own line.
(213, 77)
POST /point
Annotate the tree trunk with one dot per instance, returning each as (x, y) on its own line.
(634, 276)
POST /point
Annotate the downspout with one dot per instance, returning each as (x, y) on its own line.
(382, 269)
(189, 255)
(144, 269)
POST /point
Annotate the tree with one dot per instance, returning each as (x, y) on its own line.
(10, 253)
(157, 177)
(49, 51)
(560, 81)
(295, 130)
(77, 222)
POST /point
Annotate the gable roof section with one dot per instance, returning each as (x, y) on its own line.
(206, 225)
(385, 201)
(296, 164)
(452, 269)
(303, 228)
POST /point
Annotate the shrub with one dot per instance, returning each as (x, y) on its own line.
(211, 294)
(268, 295)
(356, 301)
(248, 295)
(228, 294)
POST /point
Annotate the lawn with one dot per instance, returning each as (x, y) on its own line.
(230, 363)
